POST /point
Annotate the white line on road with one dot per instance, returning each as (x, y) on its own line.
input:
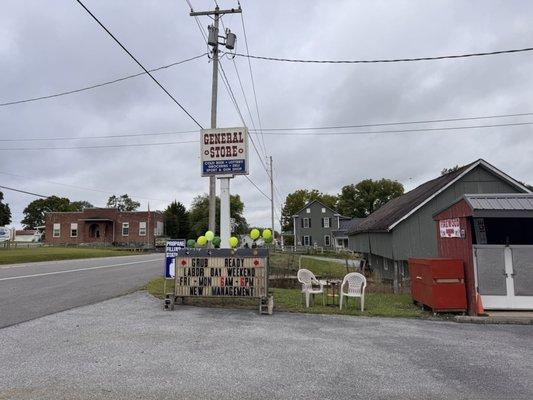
(78, 269)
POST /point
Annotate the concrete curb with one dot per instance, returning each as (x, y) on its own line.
(494, 320)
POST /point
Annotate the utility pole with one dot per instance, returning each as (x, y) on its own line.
(271, 197)
(213, 42)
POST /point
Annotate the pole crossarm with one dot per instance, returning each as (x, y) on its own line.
(216, 12)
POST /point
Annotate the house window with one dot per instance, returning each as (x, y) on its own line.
(308, 211)
(306, 241)
(57, 230)
(323, 210)
(142, 228)
(326, 223)
(74, 229)
(327, 240)
(306, 223)
(125, 229)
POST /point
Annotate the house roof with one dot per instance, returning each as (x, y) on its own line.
(347, 225)
(311, 202)
(400, 208)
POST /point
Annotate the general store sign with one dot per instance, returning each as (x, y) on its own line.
(450, 228)
(222, 273)
(224, 151)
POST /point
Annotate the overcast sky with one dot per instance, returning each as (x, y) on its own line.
(53, 46)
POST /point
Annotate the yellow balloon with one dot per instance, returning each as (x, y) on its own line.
(209, 235)
(267, 233)
(233, 241)
(201, 241)
(254, 234)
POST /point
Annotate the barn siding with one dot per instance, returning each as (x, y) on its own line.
(415, 236)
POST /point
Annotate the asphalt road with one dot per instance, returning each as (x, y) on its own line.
(129, 348)
(32, 290)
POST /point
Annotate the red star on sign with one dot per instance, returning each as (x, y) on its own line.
(183, 262)
(256, 262)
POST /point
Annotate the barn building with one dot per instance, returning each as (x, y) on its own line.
(103, 226)
(405, 228)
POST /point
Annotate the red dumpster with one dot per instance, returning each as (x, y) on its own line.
(438, 283)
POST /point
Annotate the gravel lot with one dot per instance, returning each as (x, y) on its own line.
(129, 348)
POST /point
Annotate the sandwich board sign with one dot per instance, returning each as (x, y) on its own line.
(171, 250)
(224, 151)
(222, 273)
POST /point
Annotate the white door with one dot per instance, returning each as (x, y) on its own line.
(504, 276)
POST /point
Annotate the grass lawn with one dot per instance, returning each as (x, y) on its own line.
(16, 256)
(290, 300)
(287, 264)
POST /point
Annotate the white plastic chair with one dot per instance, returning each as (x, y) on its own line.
(308, 279)
(356, 283)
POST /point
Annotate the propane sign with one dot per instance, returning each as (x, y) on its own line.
(171, 250)
(224, 151)
(221, 273)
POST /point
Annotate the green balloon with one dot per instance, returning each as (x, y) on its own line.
(267, 233)
(209, 235)
(201, 241)
(269, 239)
(191, 243)
(254, 234)
(216, 241)
(233, 241)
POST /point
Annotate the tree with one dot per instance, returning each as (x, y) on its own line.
(80, 205)
(297, 200)
(362, 199)
(5, 212)
(123, 203)
(448, 170)
(34, 212)
(176, 221)
(199, 215)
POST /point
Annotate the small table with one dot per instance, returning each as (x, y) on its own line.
(332, 289)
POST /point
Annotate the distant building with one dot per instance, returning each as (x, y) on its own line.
(103, 226)
(340, 236)
(404, 227)
(314, 224)
(27, 236)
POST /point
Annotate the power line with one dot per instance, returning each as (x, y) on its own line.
(10, 103)
(78, 187)
(138, 63)
(35, 139)
(97, 147)
(394, 60)
(257, 187)
(23, 191)
(449, 128)
(253, 81)
(428, 121)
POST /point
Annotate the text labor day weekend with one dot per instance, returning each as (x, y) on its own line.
(224, 151)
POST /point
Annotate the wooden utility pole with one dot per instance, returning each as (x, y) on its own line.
(217, 12)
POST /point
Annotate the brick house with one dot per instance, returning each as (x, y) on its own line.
(103, 226)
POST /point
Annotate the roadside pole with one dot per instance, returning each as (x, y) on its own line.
(225, 227)
(214, 99)
(272, 197)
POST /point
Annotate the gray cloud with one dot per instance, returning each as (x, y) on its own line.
(47, 47)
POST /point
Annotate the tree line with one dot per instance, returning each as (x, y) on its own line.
(354, 201)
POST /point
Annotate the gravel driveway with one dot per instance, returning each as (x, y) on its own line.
(129, 348)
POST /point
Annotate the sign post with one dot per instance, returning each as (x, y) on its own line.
(241, 273)
(171, 251)
(224, 154)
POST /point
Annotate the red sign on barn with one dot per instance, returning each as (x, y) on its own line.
(450, 228)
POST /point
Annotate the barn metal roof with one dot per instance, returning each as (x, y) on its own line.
(504, 202)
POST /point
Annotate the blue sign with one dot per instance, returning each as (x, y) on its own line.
(171, 251)
(224, 167)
